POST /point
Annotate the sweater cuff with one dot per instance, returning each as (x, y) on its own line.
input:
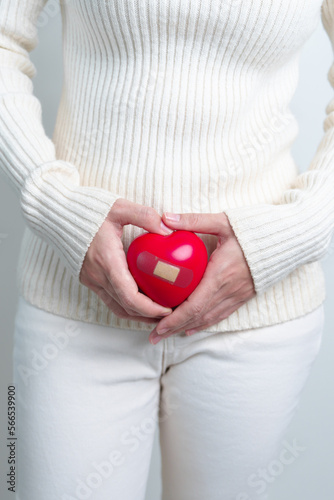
(62, 212)
(276, 239)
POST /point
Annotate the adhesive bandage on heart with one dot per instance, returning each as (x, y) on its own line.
(159, 268)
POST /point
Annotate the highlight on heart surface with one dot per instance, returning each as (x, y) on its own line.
(167, 268)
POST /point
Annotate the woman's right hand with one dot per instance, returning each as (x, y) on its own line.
(105, 269)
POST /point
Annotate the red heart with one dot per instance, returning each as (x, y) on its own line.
(167, 268)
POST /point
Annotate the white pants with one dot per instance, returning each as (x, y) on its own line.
(89, 398)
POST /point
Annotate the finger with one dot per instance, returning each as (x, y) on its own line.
(179, 317)
(210, 223)
(105, 284)
(128, 212)
(219, 316)
(215, 315)
(122, 282)
(117, 309)
(199, 301)
(154, 338)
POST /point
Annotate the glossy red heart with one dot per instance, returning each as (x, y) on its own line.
(167, 268)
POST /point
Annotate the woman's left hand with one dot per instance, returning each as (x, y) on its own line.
(226, 283)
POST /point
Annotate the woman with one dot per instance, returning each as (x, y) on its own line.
(168, 107)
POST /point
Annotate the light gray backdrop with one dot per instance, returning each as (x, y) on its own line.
(310, 475)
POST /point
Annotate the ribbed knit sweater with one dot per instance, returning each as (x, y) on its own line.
(182, 105)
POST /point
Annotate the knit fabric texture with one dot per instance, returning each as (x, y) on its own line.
(181, 105)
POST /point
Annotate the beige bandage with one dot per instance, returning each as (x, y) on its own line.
(166, 271)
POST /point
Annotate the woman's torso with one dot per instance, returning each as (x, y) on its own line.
(182, 105)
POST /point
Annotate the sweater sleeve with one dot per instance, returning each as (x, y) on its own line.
(55, 206)
(278, 238)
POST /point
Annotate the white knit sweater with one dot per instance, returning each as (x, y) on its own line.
(182, 105)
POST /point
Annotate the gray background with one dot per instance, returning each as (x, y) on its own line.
(310, 475)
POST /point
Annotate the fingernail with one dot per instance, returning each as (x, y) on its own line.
(190, 332)
(166, 310)
(154, 340)
(165, 228)
(172, 217)
(162, 331)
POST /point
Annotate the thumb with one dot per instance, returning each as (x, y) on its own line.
(209, 223)
(125, 212)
